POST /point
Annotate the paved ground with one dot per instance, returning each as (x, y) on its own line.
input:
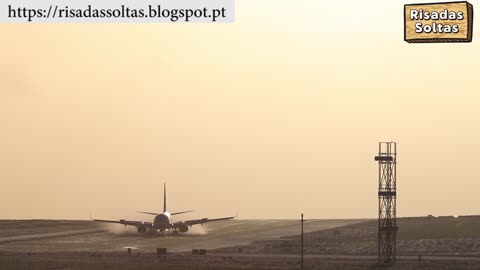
(55, 237)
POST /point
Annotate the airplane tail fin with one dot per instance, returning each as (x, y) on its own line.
(164, 197)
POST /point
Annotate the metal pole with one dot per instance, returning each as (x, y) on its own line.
(301, 261)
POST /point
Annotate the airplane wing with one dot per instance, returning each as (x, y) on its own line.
(126, 222)
(200, 221)
(122, 221)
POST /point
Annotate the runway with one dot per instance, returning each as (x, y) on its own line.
(87, 236)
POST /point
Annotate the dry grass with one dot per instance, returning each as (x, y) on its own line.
(433, 236)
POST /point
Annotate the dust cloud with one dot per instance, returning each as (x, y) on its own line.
(119, 229)
(197, 230)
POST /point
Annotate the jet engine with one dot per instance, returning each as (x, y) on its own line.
(183, 228)
(141, 229)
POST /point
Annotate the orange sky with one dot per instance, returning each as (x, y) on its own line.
(277, 114)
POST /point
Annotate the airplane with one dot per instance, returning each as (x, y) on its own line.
(163, 221)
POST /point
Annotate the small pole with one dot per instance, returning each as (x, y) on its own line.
(301, 261)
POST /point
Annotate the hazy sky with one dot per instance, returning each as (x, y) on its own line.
(277, 114)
